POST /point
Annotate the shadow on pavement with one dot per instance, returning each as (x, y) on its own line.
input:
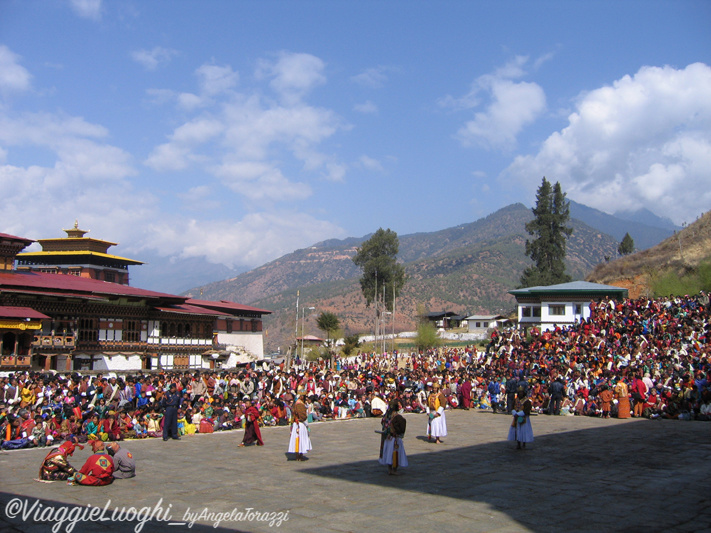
(639, 479)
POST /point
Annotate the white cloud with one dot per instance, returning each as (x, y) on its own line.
(371, 164)
(90, 9)
(253, 240)
(198, 131)
(644, 141)
(214, 79)
(93, 161)
(335, 171)
(374, 78)
(260, 181)
(76, 144)
(150, 59)
(250, 129)
(511, 105)
(293, 75)
(13, 76)
(255, 127)
(189, 101)
(82, 176)
(366, 107)
(197, 193)
(168, 157)
(85, 179)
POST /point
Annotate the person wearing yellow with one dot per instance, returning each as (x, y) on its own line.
(27, 395)
(437, 421)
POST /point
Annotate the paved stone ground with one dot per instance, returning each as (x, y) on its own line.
(580, 474)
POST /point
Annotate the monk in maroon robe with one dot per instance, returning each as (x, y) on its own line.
(251, 426)
(465, 390)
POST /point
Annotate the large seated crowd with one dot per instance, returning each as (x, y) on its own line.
(645, 357)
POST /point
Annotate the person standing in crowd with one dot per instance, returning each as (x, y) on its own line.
(494, 389)
(557, 391)
(606, 396)
(251, 425)
(299, 441)
(623, 399)
(521, 430)
(639, 395)
(511, 386)
(393, 451)
(465, 392)
(437, 424)
(124, 463)
(171, 401)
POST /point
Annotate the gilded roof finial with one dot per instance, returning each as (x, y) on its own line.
(75, 232)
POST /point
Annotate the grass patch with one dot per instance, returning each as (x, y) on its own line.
(669, 282)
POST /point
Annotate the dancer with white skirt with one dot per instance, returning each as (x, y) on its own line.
(299, 441)
(437, 421)
(521, 430)
(393, 455)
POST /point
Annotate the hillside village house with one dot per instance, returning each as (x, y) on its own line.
(60, 311)
(563, 304)
(483, 323)
(444, 319)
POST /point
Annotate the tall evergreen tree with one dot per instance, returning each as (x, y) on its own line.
(383, 278)
(329, 323)
(547, 250)
(377, 257)
(626, 246)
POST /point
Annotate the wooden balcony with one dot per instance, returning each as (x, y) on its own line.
(53, 341)
(15, 360)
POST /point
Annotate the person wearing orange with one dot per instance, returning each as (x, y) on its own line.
(606, 396)
(623, 399)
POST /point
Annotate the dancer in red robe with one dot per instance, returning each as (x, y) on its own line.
(98, 469)
(251, 426)
(55, 466)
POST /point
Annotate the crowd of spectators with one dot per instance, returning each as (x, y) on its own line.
(645, 357)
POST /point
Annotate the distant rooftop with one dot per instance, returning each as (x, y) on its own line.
(571, 287)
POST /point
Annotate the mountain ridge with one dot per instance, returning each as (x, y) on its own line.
(467, 268)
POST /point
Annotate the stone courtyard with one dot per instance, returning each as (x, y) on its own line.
(580, 474)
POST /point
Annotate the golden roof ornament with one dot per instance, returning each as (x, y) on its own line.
(75, 232)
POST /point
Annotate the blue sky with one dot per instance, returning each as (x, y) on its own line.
(241, 131)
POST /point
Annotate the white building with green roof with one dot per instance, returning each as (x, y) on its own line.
(562, 304)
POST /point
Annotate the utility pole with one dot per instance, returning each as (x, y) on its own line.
(296, 335)
(377, 318)
(393, 339)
